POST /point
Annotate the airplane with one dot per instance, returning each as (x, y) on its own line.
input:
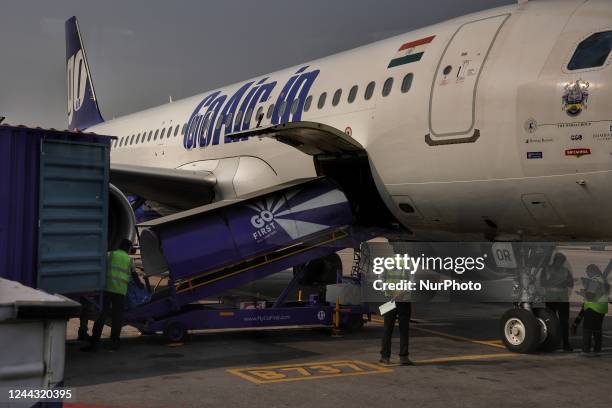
(491, 126)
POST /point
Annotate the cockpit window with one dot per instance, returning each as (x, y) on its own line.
(592, 52)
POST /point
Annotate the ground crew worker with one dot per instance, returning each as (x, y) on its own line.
(401, 312)
(558, 282)
(595, 308)
(119, 268)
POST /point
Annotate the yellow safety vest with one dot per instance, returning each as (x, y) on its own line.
(394, 276)
(118, 272)
(602, 305)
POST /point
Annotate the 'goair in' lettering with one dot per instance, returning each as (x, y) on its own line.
(219, 114)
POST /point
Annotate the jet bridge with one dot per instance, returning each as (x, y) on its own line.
(211, 249)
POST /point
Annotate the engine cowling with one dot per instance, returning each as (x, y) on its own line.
(121, 218)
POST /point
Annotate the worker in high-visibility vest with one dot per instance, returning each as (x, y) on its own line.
(400, 312)
(595, 308)
(118, 271)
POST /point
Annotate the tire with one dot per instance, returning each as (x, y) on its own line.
(353, 323)
(520, 331)
(551, 336)
(320, 272)
(175, 331)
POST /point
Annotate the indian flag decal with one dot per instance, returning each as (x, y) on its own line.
(410, 52)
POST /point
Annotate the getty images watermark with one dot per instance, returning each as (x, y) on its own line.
(400, 265)
(485, 271)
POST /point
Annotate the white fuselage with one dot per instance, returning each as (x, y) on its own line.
(483, 145)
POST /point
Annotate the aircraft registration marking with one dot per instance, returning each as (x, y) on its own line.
(307, 371)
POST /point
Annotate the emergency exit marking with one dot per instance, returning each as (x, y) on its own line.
(309, 371)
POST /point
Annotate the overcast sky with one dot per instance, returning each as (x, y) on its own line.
(142, 51)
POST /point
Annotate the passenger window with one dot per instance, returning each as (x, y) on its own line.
(176, 130)
(369, 90)
(336, 98)
(407, 82)
(206, 124)
(218, 124)
(150, 134)
(183, 129)
(307, 103)
(352, 93)
(239, 116)
(387, 86)
(259, 113)
(270, 110)
(321, 102)
(281, 109)
(156, 133)
(294, 106)
(592, 52)
(228, 120)
(247, 117)
(163, 132)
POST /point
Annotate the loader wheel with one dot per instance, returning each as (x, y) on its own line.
(353, 323)
(175, 331)
(520, 331)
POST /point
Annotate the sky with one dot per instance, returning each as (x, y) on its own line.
(141, 52)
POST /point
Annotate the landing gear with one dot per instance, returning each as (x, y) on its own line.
(550, 329)
(527, 331)
(520, 331)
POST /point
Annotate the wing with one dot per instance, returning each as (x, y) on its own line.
(313, 138)
(182, 189)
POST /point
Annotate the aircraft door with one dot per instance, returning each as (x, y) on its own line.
(453, 90)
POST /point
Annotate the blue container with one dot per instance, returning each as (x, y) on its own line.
(53, 208)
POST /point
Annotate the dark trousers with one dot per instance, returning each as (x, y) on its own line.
(112, 306)
(591, 329)
(562, 310)
(402, 313)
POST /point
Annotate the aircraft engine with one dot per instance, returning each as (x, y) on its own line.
(121, 218)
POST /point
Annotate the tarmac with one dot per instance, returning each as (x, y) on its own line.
(459, 358)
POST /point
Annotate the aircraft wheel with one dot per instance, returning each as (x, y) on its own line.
(175, 331)
(353, 323)
(550, 329)
(520, 331)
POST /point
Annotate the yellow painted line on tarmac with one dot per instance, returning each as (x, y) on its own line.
(467, 358)
(450, 359)
(307, 371)
(490, 343)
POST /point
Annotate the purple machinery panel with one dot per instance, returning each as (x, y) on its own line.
(246, 229)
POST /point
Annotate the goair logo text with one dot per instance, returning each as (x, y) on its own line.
(220, 114)
(77, 82)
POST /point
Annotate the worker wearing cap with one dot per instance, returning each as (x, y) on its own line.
(119, 269)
